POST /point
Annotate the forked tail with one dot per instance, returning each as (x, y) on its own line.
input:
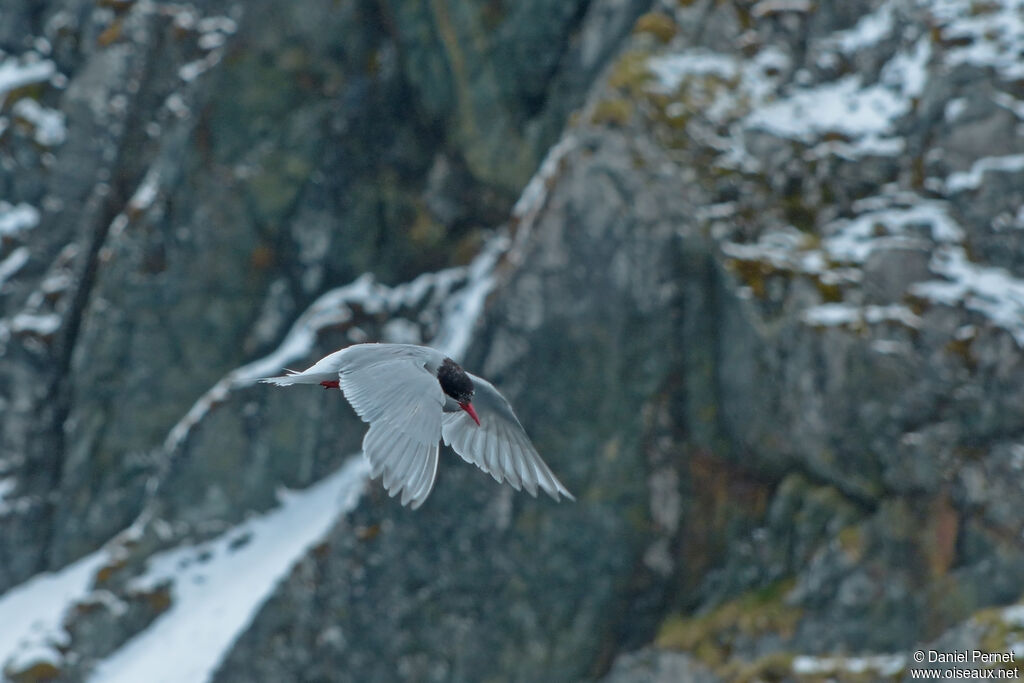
(326, 379)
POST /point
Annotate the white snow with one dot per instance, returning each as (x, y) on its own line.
(907, 72)
(12, 264)
(193, 70)
(852, 240)
(870, 29)
(42, 324)
(783, 249)
(845, 106)
(871, 146)
(992, 292)
(146, 192)
(220, 24)
(462, 310)
(767, 7)
(143, 197)
(32, 613)
(971, 180)
(848, 106)
(15, 73)
(954, 108)
(535, 194)
(882, 665)
(835, 314)
(862, 111)
(176, 105)
(902, 220)
(671, 69)
(213, 34)
(1008, 101)
(401, 331)
(988, 34)
(745, 83)
(209, 41)
(830, 315)
(50, 129)
(1014, 615)
(17, 218)
(217, 589)
(185, 18)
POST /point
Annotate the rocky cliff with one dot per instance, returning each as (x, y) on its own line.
(759, 308)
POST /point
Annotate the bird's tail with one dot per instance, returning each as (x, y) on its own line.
(294, 377)
(282, 381)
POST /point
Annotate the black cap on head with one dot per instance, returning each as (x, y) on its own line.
(454, 381)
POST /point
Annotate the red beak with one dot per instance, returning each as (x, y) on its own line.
(468, 407)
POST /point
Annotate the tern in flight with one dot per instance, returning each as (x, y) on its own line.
(414, 396)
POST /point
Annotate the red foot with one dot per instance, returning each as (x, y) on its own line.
(330, 384)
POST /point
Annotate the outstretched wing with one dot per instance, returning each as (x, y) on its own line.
(402, 401)
(499, 445)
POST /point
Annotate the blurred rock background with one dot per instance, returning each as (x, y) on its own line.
(760, 309)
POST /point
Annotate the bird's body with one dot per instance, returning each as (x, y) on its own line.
(414, 396)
